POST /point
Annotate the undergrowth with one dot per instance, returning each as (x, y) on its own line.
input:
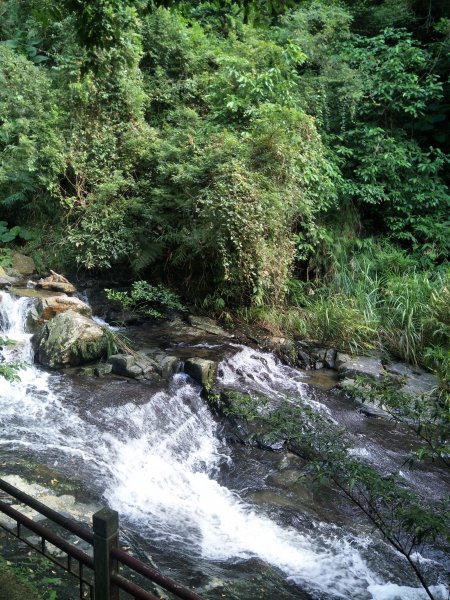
(365, 300)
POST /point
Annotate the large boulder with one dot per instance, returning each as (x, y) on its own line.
(50, 306)
(208, 325)
(70, 339)
(5, 280)
(358, 366)
(149, 363)
(22, 264)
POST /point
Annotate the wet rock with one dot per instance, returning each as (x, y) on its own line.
(370, 409)
(134, 366)
(208, 325)
(22, 264)
(304, 360)
(56, 286)
(51, 306)
(201, 370)
(169, 366)
(164, 364)
(354, 366)
(123, 364)
(315, 358)
(98, 370)
(70, 339)
(329, 358)
(102, 369)
(415, 381)
(33, 320)
(6, 281)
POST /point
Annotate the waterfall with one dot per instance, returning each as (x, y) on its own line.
(156, 460)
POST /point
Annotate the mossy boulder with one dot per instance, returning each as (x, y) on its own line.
(70, 339)
(22, 264)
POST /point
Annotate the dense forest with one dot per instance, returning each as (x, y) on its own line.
(279, 163)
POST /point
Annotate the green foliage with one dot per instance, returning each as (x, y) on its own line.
(191, 143)
(146, 299)
(10, 370)
(30, 143)
(105, 25)
(8, 235)
(371, 295)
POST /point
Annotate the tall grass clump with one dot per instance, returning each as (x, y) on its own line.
(371, 296)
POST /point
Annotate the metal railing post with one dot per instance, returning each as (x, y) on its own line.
(106, 535)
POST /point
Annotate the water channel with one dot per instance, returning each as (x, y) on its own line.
(231, 520)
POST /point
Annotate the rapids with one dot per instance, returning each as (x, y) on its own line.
(160, 459)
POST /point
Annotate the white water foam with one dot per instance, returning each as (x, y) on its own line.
(261, 372)
(158, 461)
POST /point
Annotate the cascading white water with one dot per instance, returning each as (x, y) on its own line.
(156, 463)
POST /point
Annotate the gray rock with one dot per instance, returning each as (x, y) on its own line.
(366, 408)
(23, 264)
(208, 325)
(102, 369)
(354, 366)
(50, 306)
(304, 360)
(6, 282)
(70, 339)
(416, 380)
(169, 366)
(201, 370)
(330, 358)
(123, 364)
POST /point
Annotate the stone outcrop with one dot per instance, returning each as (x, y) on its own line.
(51, 306)
(152, 364)
(315, 358)
(56, 283)
(358, 366)
(70, 339)
(5, 280)
(56, 286)
(208, 325)
(202, 370)
(413, 380)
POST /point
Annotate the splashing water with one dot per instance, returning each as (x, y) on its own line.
(156, 462)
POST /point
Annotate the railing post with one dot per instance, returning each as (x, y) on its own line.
(106, 535)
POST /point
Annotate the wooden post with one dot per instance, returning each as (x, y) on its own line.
(106, 535)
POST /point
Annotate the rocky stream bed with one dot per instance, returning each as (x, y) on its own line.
(205, 501)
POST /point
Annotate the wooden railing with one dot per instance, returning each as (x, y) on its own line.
(99, 571)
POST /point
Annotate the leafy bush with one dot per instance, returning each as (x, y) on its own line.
(146, 299)
(30, 142)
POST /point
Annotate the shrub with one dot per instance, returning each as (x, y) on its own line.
(146, 299)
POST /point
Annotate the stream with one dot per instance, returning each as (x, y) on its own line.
(231, 520)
